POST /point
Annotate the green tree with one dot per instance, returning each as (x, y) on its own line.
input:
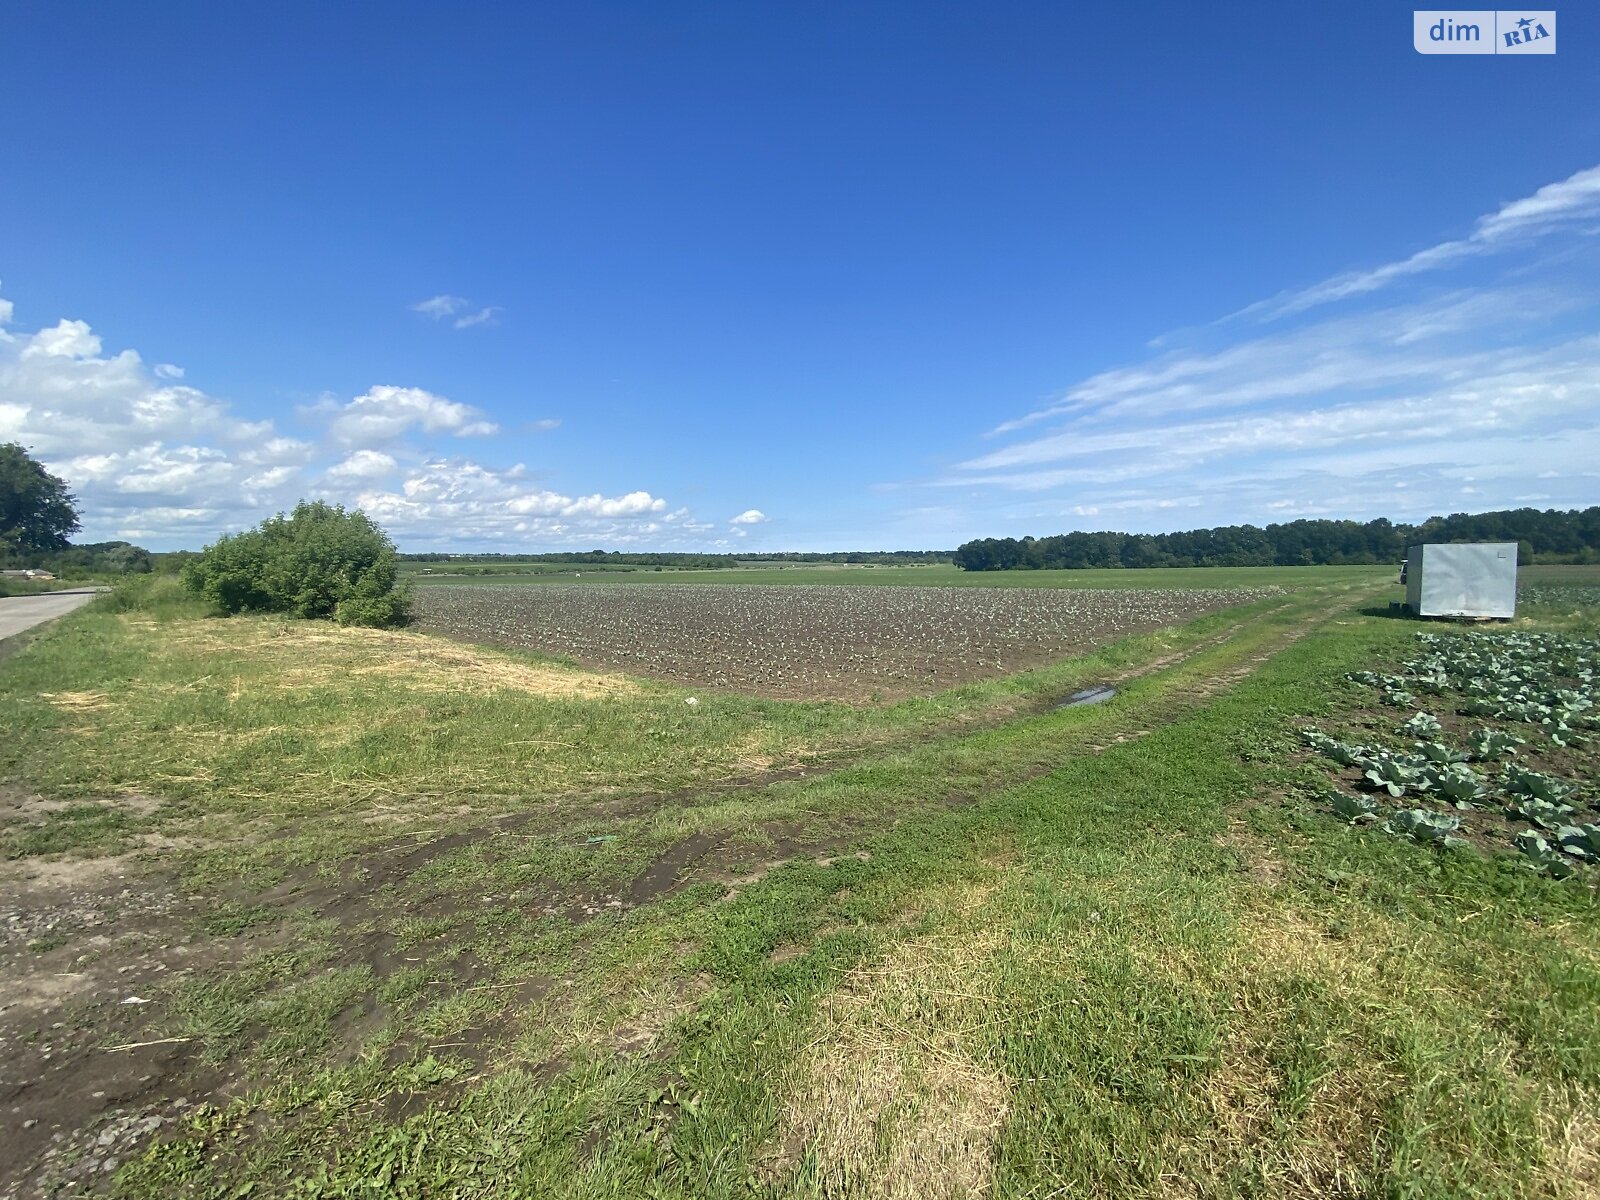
(319, 561)
(1548, 536)
(36, 510)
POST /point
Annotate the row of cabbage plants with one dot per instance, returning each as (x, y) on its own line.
(1488, 711)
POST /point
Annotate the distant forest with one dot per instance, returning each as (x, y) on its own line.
(1544, 536)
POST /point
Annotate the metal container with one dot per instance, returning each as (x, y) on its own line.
(1467, 579)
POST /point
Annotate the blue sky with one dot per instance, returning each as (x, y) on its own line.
(784, 276)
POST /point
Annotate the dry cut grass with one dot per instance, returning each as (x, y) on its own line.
(284, 717)
(1297, 1139)
(890, 1098)
(280, 652)
(1572, 1144)
(77, 702)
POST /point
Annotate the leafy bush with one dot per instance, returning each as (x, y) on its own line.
(320, 561)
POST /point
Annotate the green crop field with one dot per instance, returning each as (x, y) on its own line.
(301, 910)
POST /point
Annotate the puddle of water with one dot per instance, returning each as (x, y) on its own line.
(1094, 695)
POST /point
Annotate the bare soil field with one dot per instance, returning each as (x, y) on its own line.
(811, 641)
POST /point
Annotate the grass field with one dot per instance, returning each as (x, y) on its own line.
(405, 917)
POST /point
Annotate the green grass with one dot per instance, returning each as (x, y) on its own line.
(1538, 573)
(79, 828)
(1104, 951)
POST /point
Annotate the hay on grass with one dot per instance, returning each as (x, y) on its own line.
(892, 1096)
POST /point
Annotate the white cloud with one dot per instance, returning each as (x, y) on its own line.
(1574, 198)
(484, 316)
(1399, 345)
(270, 479)
(621, 506)
(154, 459)
(153, 469)
(1563, 384)
(1555, 206)
(276, 450)
(61, 395)
(750, 516)
(502, 505)
(67, 339)
(683, 521)
(13, 421)
(384, 413)
(364, 464)
(1345, 413)
(439, 307)
(458, 310)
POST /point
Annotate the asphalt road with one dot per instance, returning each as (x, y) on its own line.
(24, 612)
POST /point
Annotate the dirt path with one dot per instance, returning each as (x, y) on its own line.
(84, 946)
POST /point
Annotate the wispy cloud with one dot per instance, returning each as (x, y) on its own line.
(1397, 345)
(1399, 401)
(458, 310)
(1553, 207)
(1561, 384)
(750, 516)
(439, 307)
(484, 316)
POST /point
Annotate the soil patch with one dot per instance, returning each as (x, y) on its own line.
(811, 641)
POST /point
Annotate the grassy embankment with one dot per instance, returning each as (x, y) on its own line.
(1104, 951)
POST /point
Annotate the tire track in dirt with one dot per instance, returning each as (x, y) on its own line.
(1218, 683)
(708, 858)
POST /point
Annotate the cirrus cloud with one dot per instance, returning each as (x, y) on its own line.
(1397, 404)
(458, 310)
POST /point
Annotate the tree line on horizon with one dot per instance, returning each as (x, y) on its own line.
(1549, 535)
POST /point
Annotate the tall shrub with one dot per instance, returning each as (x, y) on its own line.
(319, 561)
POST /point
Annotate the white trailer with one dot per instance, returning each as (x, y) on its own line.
(1463, 579)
